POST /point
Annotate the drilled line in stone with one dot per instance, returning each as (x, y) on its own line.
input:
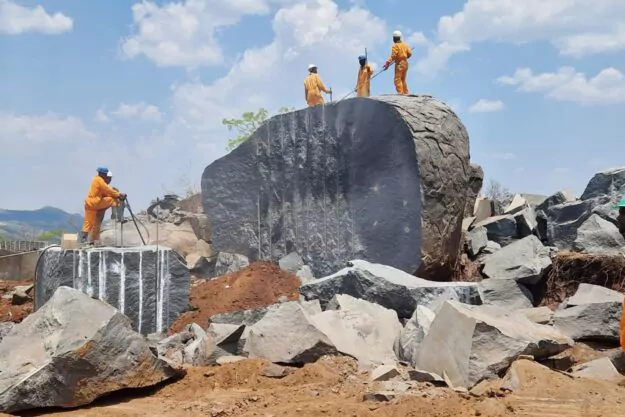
(122, 285)
(140, 323)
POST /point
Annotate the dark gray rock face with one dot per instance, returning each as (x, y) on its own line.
(476, 180)
(501, 229)
(605, 183)
(71, 351)
(600, 237)
(383, 179)
(150, 287)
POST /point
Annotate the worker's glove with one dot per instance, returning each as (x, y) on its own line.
(122, 196)
(386, 66)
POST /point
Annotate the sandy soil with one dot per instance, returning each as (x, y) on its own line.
(334, 387)
(258, 285)
(9, 312)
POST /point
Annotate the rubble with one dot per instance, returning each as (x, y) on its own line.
(592, 313)
(598, 236)
(500, 229)
(230, 262)
(523, 261)
(71, 351)
(602, 369)
(505, 293)
(477, 240)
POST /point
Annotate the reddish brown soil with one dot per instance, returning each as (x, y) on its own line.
(259, 285)
(9, 312)
(570, 269)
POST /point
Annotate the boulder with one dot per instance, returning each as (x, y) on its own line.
(476, 180)
(413, 333)
(609, 182)
(523, 261)
(305, 274)
(358, 328)
(560, 197)
(291, 262)
(471, 343)
(149, 284)
(181, 238)
(491, 247)
(598, 236)
(384, 373)
(563, 221)
(321, 182)
(525, 222)
(230, 262)
(285, 335)
(477, 239)
(386, 286)
(500, 229)
(71, 351)
(594, 312)
(505, 293)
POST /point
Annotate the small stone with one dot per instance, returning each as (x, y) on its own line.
(274, 371)
(380, 396)
(384, 373)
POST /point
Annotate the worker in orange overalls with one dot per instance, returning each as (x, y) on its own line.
(100, 198)
(313, 86)
(363, 83)
(400, 53)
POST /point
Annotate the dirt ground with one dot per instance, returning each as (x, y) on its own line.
(259, 285)
(9, 312)
(334, 387)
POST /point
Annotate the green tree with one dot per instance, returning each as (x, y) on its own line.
(247, 124)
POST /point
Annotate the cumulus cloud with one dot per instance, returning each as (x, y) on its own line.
(141, 111)
(567, 84)
(18, 130)
(16, 19)
(486, 106)
(576, 27)
(184, 33)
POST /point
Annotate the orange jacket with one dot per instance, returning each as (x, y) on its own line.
(399, 52)
(363, 85)
(313, 86)
(98, 190)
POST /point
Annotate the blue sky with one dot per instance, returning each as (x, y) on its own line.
(142, 87)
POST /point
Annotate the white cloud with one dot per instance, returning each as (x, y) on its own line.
(271, 76)
(417, 39)
(143, 111)
(16, 19)
(486, 106)
(101, 116)
(607, 87)
(576, 27)
(185, 33)
(26, 130)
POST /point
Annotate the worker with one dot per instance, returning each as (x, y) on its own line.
(400, 53)
(100, 198)
(313, 86)
(363, 83)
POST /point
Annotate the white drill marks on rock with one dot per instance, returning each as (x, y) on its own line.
(160, 278)
(78, 285)
(122, 284)
(140, 291)
(89, 284)
(102, 277)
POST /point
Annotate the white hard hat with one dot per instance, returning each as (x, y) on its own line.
(311, 66)
(109, 174)
(397, 34)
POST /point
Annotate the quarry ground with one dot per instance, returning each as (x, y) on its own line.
(334, 386)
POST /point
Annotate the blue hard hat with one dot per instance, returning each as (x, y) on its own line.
(362, 58)
(103, 170)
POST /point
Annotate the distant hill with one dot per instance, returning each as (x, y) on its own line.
(29, 224)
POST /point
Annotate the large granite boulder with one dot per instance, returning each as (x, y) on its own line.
(151, 287)
(600, 237)
(71, 351)
(383, 179)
